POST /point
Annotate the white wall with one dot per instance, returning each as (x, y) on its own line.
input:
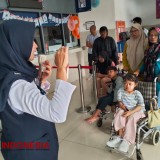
(127, 10)
(103, 15)
(148, 13)
(111, 10)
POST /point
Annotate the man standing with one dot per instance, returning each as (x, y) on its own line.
(105, 44)
(89, 43)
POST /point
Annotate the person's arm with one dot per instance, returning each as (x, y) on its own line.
(114, 55)
(28, 99)
(120, 100)
(140, 68)
(88, 44)
(61, 61)
(119, 84)
(95, 49)
(124, 59)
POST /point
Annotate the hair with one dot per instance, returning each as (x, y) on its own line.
(103, 29)
(137, 20)
(93, 26)
(114, 68)
(131, 77)
(158, 33)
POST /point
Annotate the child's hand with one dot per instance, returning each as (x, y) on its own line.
(122, 106)
(113, 108)
(127, 113)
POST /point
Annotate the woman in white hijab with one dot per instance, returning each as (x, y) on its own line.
(134, 49)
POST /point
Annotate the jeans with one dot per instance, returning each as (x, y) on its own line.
(104, 101)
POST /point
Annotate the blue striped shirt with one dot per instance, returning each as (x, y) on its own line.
(130, 100)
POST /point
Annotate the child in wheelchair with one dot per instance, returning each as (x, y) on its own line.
(131, 109)
(117, 83)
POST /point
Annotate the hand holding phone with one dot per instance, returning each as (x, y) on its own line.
(41, 60)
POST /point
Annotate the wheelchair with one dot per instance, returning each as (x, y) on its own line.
(148, 90)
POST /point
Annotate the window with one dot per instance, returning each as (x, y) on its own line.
(52, 32)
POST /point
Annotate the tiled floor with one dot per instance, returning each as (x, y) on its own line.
(82, 141)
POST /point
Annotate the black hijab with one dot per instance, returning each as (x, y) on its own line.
(16, 41)
(102, 67)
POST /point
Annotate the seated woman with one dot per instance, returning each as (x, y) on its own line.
(131, 109)
(102, 77)
(151, 64)
(110, 98)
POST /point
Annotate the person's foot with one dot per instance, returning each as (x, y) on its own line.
(124, 146)
(115, 142)
(90, 77)
(92, 119)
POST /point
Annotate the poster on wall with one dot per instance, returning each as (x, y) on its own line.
(83, 5)
(120, 27)
(157, 8)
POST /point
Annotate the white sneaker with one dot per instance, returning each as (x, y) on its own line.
(114, 143)
(90, 77)
(124, 146)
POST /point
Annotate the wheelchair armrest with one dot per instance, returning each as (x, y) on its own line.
(142, 120)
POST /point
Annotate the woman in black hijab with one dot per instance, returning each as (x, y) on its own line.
(102, 77)
(27, 116)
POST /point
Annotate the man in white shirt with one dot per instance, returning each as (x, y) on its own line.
(89, 43)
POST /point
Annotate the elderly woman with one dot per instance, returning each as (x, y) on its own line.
(134, 49)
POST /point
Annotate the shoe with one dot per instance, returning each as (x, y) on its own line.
(114, 143)
(90, 77)
(124, 146)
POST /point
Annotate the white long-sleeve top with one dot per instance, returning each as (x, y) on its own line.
(26, 97)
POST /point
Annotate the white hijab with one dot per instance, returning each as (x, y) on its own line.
(136, 48)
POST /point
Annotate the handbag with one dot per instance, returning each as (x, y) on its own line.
(153, 114)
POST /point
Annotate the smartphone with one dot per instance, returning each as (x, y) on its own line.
(41, 60)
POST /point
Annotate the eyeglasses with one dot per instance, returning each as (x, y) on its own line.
(133, 31)
(153, 35)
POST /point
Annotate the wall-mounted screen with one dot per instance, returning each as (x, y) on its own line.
(83, 5)
(30, 4)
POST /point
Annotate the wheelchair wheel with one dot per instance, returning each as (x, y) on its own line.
(155, 137)
(99, 123)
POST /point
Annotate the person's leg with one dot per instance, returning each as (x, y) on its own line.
(130, 131)
(131, 127)
(94, 117)
(98, 87)
(104, 85)
(121, 132)
(90, 59)
(102, 103)
(119, 120)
